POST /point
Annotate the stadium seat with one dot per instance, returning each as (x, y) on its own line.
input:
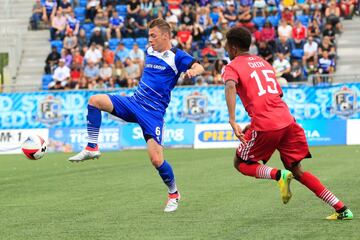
(79, 12)
(88, 27)
(58, 44)
(113, 43)
(274, 20)
(142, 42)
(47, 78)
(121, 9)
(297, 53)
(259, 21)
(128, 42)
(304, 19)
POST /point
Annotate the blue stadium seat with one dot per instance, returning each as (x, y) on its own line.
(142, 42)
(121, 9)
(297, 53)
(274, 20)
(58, 44)
(47, 78)
(304, 19)
(79, 12)
(259, 21)
(88, 27)
(113, 43)
(128, 42)
(82, 3)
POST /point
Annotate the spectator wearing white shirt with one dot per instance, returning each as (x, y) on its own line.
(310, 50)
(61, 74)
(105, 73)
(285, 30)
(282, 68)
(93, 54)
(137, 56)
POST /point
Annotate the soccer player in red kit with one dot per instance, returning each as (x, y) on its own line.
(272, 126)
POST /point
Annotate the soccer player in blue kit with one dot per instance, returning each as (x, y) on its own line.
(147, 106)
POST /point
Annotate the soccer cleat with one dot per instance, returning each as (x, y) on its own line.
(173, 202)
(345, 215)
(85, 155)
(284, 184)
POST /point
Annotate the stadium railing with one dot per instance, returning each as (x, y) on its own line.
(328, 79)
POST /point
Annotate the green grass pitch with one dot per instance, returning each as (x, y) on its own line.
(121, 196)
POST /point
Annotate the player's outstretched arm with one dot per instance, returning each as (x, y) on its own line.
(230, 95)
(196, 69)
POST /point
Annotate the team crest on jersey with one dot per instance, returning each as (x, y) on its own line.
(345, 102)
(196, 107)
(49, 111)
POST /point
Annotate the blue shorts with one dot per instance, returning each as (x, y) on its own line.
(128, 109)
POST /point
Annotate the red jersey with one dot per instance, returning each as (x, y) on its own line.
(259, 92)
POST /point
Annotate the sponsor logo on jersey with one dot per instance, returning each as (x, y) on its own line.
(49, 111)
(196, 107)
(345, 102)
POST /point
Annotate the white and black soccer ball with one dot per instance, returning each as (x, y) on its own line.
(34, 147)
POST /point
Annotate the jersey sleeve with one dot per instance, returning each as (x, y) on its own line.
(230, 74)
(183, 61)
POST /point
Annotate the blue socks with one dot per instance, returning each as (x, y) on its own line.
(93, 125)
(167, 175)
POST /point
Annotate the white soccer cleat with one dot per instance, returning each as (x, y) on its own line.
(172, 203)
(85, 155)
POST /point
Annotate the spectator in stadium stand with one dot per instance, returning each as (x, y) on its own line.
(83, 84)
(282, 67)
(146, 5)
(215, 35)
(37, 11)
(129, 28)
(245, 19)
(267, 34)
(347, 8)
(317, 15)
(61, 74)
(108, 55)
(141, 22)
(78, 59)
(202, 17)
(219, 65)
(296, 71)
(66, 54)
(231, 15)
(271, 8)
(208, 69)
(65, 6)
(326, 45)
(137, 55)
(220, 50)
(119, 77)
(184, 37)
(208, 51)
(72, 23)
(133, 8)
(265, 52)
(121, 52)
(75, 75)
(116, 23)
(325, 64)
(299, 34)
(58, 26)
(49, 10)
(332, 14)
(91, 8)
(285, 29)
(253, 49)
(288, 15)
(187, 17)
(97, 38)
(311, 67)
(91, 74)
(158, 9)
(224, 26)
(245, 4)
(172, 19)
(290, 4)
(70, 41)
(329, 32)
(93, 54)
(215, 15)
(310, 50)
(303, 7)
(105, 73)
(283, 46)
(259, 5)
(82, 40)
(52, 60)
(197, 34)
(316, 5)
(133, 73)
(100, 84)
(101, 21)
(313, 30)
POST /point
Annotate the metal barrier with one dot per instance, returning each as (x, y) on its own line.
(317, 79)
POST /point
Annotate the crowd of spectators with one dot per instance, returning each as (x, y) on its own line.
(100, 44)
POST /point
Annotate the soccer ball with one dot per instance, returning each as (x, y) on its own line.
(34, 147)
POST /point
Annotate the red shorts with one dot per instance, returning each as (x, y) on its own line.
(289, 141)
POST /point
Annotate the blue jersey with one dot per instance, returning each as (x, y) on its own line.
(161, 73)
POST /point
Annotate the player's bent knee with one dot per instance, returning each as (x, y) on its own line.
(237, 162)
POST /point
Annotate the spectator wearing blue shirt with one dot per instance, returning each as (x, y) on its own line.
(91, 73)
(37, 12)
(66, 6)
(72, 23)
(141, 22)
(116, 23)
(121, 53)
(325, 64)
(49, 9)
